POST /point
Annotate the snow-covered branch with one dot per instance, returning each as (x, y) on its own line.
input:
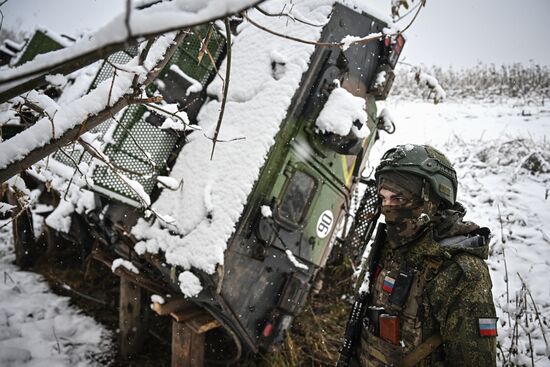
(432, 83)
(155, 20)
(68, 122)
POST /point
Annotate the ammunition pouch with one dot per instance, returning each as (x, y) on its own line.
(376, 352)
(381, 337)
(400, 292)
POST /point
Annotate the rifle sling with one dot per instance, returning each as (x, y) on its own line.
(422, 351)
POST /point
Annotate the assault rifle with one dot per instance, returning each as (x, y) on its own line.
(358, 237)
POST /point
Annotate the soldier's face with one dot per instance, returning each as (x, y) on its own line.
(391, 198)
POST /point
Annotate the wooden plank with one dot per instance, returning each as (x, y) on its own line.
(131, 319)
(203, 323)
(187, 346)
(184, 311)
(173, 305)
(186, 314)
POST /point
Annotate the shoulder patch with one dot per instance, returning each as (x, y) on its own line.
(487, 326)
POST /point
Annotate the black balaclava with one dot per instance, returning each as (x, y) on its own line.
(408, 221)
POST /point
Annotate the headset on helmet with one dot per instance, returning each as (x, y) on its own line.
(424, 161)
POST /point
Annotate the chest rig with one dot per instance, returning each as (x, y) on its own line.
(394, 321)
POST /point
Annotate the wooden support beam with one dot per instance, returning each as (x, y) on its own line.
(184, 311)
(122, 272)
(52, 243)
(187, 346)
(173, 305)
(189, 325)
(203, 323)
(132, 319)
(23, 233)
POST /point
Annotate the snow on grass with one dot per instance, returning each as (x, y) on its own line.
(506, 183)
(502, 159)
(39, 328)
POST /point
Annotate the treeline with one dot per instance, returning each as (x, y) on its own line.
(481, 81)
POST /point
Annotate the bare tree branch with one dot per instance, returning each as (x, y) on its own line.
(414, 18)
(326, 44)
(225, 140)
(2, 13)
(283, 14)
(101, 157)
(409, 12)
(142, 57)
(204, 44)
(127, 17)
(226, 85)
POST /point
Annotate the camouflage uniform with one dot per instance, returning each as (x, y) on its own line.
(431, 284)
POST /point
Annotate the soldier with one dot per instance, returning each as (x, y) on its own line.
(429, 301)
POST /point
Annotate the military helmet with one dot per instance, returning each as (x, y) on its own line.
(424, 161)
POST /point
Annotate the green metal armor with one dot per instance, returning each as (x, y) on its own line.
(430, 300)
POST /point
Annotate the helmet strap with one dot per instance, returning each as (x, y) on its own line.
(425, 195)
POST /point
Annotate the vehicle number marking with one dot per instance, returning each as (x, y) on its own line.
(324, 224)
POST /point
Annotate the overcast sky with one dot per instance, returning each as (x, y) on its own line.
(446, 32)
(463, 32)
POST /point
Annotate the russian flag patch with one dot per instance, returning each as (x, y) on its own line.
(488, 326)
(388, 284)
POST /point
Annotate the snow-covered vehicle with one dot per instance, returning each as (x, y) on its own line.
(288, 226)
(247, 234)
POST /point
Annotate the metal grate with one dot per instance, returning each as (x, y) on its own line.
(107, 71)
(69, 156)
(141, 149)
(365, 218)
(187, 55)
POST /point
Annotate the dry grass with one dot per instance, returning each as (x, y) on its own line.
(316, 334)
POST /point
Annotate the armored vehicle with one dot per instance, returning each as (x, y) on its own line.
(286, 230)
(307, 181)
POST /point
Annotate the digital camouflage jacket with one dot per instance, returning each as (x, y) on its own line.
(436, 285)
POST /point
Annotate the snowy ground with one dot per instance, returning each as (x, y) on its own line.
(39, 328)
(501, 152)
